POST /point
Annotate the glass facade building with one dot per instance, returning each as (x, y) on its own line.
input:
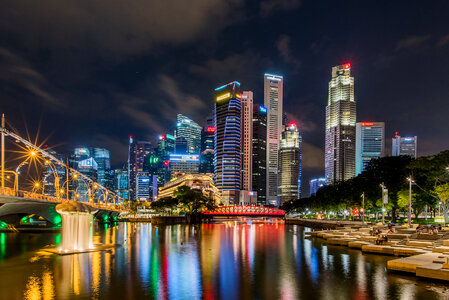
(207, 147)
(227, 154)
(273, 99)
(369, 144)
(340, 126)
(315, 184)
(189, 130)
(290, 164)
(138, 150)
(405, 146)
(259, 144)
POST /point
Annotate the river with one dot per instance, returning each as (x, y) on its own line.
(224, 260)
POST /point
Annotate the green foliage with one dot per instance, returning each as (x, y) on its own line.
(431, 184)
(190, 201)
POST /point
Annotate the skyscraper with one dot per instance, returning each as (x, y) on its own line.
(273, 98)
(259, 144)
(184, 163)
(340, 126)
(315, 184)
(143, 186)
(404, 146)
(227, 158)
(207, 147)
(136, 154)
(247, 136)
(83, 162)
(189, 130)
(369, 144)
(121, 183)
(290, 164)
(102, 157)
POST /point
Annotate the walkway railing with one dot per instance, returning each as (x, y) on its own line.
(35, 196)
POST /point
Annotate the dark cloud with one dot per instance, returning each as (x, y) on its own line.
(269, 6)
(413, 41)
(444, 40)
(17, 73)
(115, 26)
(283, 46)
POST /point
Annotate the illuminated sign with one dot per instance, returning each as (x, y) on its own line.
(239, 96)
(84, 151)
(210, 129)
(262, 109)
(274, 78)
(224, 96)
(367, 124)
(408, 139)
(183, 158)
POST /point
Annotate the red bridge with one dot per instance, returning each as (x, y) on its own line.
(245, 211)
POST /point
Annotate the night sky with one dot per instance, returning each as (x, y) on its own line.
(94, 72)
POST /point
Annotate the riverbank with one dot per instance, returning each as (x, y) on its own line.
(424, 255)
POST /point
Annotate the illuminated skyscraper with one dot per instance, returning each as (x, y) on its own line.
(189, 130)
(102, 157)
(121, 183)
(136, 154)
(259, 144)
(207, 147)
(340, 126)
(247, 136)
(273, 97)
(184, 163)
(405, 146)
(369, 143)
(315, 184)
(290, 164)
(227, 153)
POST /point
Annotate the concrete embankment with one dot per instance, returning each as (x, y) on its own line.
(322, 224)
(168, 220)
(425, 255)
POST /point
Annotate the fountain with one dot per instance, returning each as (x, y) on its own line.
(77, 227)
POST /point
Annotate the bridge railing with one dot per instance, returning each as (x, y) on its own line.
(30, 195)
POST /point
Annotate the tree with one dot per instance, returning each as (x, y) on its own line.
(193, 200)
(442, 191)
(165, 205)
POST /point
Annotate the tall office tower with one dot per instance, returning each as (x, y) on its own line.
(49, 175)
(83, 162)
(273, 98)
(369, 137)
(181, 145)
(247, 140)
(165, 146)
(290, 164)
(405, 146)
(143, 186)
(315, 184)
(136, 154)
(227, 161)
(191, 131)
(102, 157)
(260, 153)
(207, 147)
(340, 126)
(121, 183)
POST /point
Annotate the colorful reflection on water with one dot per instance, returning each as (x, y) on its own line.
(228, 260)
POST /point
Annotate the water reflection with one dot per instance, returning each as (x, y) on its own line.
(229, 260)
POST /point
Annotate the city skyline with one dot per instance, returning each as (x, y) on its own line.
(113, 93)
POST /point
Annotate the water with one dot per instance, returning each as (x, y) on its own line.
(230, 260)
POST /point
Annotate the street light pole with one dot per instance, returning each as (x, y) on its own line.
(3, 151)
(363, 207)
(410, 202)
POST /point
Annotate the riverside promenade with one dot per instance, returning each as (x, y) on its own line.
(424, 255)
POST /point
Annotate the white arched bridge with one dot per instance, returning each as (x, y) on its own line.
(17, 202)
(244, 211)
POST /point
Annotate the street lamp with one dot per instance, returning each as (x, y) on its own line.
(410, 180)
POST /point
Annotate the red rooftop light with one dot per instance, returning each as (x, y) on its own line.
(347, 66)
(210, 129)
(367, 123)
